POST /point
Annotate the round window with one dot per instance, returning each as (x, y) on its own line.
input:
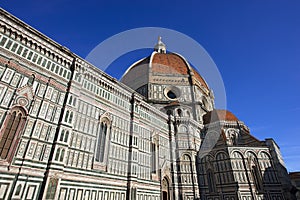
(171, 95)
(172, 92)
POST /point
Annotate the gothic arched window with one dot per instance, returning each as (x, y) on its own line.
(9, 135)
(186, 169)
(70, 100)
(57, 154)
(53, 182)
(60, 153)
(66, 136)
(256, 173)
(101, 141)
(211, 181)
(62, 135)
(67, 116)
(61, 159)
(257, 179)
(153, 158)
(209, 169)
(71, 117)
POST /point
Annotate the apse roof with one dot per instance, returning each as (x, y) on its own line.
(219, 115)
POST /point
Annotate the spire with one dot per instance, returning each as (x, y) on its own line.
(160, 47)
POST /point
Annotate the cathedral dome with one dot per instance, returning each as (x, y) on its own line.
(219, 115)
(162, 67)
(168, 81)
(174, 64)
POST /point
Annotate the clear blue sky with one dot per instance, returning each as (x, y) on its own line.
(255, 44)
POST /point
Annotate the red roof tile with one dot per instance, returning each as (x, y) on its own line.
(169, 64)
(219, 115)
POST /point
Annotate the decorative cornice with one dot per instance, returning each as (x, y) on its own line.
(15, 65)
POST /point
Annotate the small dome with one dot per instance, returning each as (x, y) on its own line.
(219, 115)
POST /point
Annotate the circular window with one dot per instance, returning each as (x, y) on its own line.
(172, 92)
(171, 95)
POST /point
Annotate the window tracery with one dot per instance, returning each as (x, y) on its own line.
(10, 133)
(255, 172)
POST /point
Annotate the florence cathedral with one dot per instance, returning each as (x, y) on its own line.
(70, 131)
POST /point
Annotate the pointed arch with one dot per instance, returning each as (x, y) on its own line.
(221, 155)
(222, 163)
(237, 154)
(70, 118)
(186, 169)
(255, 171)
(165, 184)
(62, 155)
(67, 116)
(57, 154)
(256, 176)
(62, 134)
(11, 131)
(264, 155)
(154, 156)
(66, 136)
(102, 138)
(209, 170)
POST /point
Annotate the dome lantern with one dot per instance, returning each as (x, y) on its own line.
(160, 47)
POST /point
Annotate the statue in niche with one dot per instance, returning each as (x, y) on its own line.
(232, 137)
(31, 80)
